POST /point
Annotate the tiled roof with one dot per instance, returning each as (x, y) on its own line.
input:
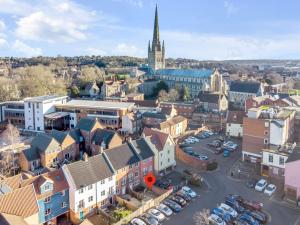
(20, 202)
(88, 172)
(155, 115)
(75, 134)
(31, 153)
(8, 219)
(121, 156)
(235, 117)
(171, 122)
(103, 135)
(158, 138)
(142, 148)
(86, 124)
(209, 97)
(245, 86)
(15, 181)
(203, 73)
(44, 142)
(59, 136)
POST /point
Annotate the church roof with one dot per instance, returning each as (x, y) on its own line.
(203, 73)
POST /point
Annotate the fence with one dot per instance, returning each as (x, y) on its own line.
(147, 205)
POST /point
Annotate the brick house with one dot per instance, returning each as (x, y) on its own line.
(234, 123)
(174, 126)
(183, 109)
(212, 101)
(266, 100)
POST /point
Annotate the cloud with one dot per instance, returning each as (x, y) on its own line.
(95, 51)
(230, 7)
(3, 43)
(2, 26)
(127, 50)
(16, 8)
(25, 50)
(64, 21)
(137, 3)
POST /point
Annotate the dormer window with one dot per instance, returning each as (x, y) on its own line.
(46, 186)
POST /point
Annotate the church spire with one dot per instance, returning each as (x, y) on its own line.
(156, 28)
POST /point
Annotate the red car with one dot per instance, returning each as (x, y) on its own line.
(252, 205)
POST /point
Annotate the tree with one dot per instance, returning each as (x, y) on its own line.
(201, 217)
(173, 95)
(185, 94)
(90, 74)
(39, 80)
(163, 95)
(74, 91)
(8, 89)
(161, 85)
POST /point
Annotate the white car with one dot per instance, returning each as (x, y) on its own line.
(216, 220)
(270, 189)
(137, 221)
(189, 191)
(229, 210)
(164, 209)
(157, 214)
(260, 185)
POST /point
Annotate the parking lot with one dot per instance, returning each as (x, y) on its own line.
(219, 183)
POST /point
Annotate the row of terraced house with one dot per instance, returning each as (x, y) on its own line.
(69, 175)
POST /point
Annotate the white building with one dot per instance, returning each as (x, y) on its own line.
(234, 123)
(36, 107)
(163, 148)
(92, 184)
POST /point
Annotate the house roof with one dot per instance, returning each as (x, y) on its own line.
(171, 122)
(31, 153)
(20, 202)
(142, 148)
(59, 136)
(158, 138)
(161, 116)
(103, 135)
(294, 156)
(209, 97)
(91, 171)
(245, 86)
(44, 142)
(8, 219)
(75, 134)
(121, 156)
(86, 124)
(205, 73)
(14, 182)
(235, 116)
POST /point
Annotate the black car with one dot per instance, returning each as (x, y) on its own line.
(251, 183)
(183, 195)
(173, 205)
(235, 205)
(178, 200)
(259, 216)
(163, 184)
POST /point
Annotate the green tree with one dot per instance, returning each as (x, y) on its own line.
(161, 85)
(74, 91)
(90, 74)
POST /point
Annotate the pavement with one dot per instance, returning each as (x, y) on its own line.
(219, 183)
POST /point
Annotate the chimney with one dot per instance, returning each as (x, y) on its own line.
(85, 157)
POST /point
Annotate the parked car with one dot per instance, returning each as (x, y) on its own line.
(226, 153)
(260, 185)
(184, 195)
(220, 138)
(228, 209)
(164, 209)
(215, 144)
(270, 189)
(218, 151)
(149, 219)
(240, 222)
(189, 191)
(178, 199)
(214, 219)
(202, 157)
(137, 221)
(251, 183)
(247, 204)
(223, 214)
(173, 205)
(187, 150)
(157, 214)
(235, 205)
(163, 184)
(248, 219)
(259, 216)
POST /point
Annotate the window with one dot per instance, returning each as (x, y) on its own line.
(124, 181)
(266, 124)
(67, 156)
(29, 105)
(90, 187)
(48, 199)
(102, 182)
(130, 166)
(80, 191)
(90, 199)
(47, 212)
(130, 177)
(136, 174)
(266, 141)
(37, 105)
(63, 205)
(270, 158)
(266, 132)
(110, 190)
(136, 164)
(47, 187)
(102, 193)
(103, 202)
(281, 161)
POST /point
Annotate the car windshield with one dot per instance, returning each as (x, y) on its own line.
(259, 184)
(156, 213)
(270, 188)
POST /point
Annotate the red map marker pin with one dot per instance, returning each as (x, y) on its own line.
(149, 180)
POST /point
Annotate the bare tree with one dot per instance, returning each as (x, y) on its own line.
(201, 217)
(11, 135)
(163, 95)
(173, 95)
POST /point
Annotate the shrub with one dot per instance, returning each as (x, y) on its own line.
(212, 165)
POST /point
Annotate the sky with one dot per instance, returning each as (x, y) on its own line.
(197, 29)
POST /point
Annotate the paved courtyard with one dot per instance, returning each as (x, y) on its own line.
(220, 183)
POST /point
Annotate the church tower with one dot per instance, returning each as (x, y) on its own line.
(156, 52)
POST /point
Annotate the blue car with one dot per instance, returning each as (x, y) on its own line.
(248, 219)
(235, 205)
(226, 153)
(221, 213)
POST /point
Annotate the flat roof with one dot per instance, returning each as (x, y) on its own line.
(44, 98)
(56, 115)
(97, 104)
